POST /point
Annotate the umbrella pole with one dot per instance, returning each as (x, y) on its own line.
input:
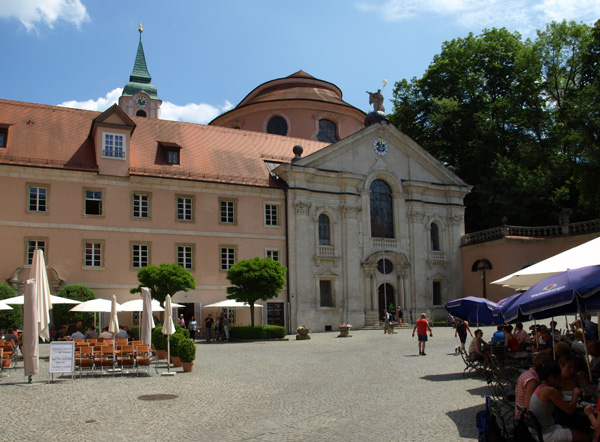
(587, 356)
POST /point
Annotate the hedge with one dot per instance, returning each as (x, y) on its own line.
(258, 332)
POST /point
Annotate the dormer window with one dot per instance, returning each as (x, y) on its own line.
(3, 136)
(113, 145)
(171, 152)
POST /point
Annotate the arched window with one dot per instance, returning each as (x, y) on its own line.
(277, 125)
(324, 231)
(327, 131)
(140, 113)
(382, 214)
(435, 237)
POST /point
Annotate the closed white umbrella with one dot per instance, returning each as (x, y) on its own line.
(31, 359)
(38, 272)
(20, 300)
(168, 329)
(113, 325)
(147, 321)
(137, 305)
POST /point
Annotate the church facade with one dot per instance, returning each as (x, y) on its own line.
(360, 214)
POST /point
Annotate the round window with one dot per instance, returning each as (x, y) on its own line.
(384, 266)
(277, 126)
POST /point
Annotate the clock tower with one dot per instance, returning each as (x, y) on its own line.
(139, 96)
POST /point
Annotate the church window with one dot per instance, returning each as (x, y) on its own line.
(277, 126)
(437, 293)
(113, 146)
(140, 113)
(324, 230)
(382, 215)
(327, 131)
(326, 293)
(435, 237)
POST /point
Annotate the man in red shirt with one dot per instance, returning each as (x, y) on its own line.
(422, 327)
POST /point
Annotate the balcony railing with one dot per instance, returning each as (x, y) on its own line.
(531, 232)
(388, 243)
(326, 251)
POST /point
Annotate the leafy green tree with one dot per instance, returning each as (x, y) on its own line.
(61, 314)
(504, 113)
(164, 280)
(10, 318)
(255, 279)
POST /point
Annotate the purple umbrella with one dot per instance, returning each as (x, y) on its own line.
(560, 294)
(474, 310)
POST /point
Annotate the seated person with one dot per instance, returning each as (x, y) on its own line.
(498, 336)
(528, 382)
(594, 352)
(590, 326)
(510, 342)
(106, 334)
(478, 349)
(577, 345)
(544, 341)
(122, 333)
(91, 333)
(568, 373)
(77, 335)
(546, 398)
(61, 335)
(522, 336)
(561, 349)
(10, 335)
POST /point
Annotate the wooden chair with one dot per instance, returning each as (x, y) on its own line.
(6, 358)
(105, 357)
(84, 358)
(144, 357)
(126, 356)
(121, 342)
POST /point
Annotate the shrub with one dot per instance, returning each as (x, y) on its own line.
(258, 332)
(186, 350)
(10, 318)
(61, 314)
(158, 339)
(135, 331)
(176, 339)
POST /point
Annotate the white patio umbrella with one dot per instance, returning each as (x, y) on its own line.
(31, 360)
(230, 303)
(4, 306)
(147, 321)
(137, 305)
(95, 305)
(113, 325)
(168, 329)
(53, 300)
(38, 272)
(583, 255)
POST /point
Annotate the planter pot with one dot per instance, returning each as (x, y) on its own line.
(302, 331)
(344, 332)
(161, 354)
(176, 361)
(302, 335)
(187, 366)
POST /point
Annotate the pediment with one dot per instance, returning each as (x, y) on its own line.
(114, 117)
(327, 273)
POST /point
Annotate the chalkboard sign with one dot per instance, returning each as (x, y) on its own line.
(62, 357)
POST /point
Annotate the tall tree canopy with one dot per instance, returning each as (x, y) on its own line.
(507, 115)
(167, 279)
(255, 279)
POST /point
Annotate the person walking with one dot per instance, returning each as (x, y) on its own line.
(192, 326)
(422, 327)
(387, 316)
(462, 327)
(208, 325)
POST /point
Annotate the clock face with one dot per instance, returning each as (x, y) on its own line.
(141, 102)
(380, 146)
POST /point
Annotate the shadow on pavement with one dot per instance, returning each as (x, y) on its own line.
(444, 377)
(464, 419)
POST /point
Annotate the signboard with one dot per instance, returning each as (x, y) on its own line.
(62, 357)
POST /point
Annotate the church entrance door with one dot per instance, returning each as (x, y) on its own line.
(386, 297)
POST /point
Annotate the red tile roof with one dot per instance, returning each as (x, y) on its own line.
(57, 137)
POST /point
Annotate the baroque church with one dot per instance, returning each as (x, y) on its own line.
(361, 215)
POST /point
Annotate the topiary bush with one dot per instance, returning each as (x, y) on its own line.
(176, 339)
(61, 314)
(10, 318)
(258, 332)
(186, 350)
(158, 339)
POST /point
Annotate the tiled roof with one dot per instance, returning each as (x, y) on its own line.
(51, 136)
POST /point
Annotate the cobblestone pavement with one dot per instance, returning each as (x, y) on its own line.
(370, 387)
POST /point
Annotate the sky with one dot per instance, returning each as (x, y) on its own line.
(205, 56)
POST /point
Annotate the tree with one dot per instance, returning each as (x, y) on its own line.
(167, 279)
(255, 279)
(505, 113)
(10, 318)
(61, 314)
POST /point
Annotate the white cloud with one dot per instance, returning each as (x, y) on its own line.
(191, 113)
(519, 15)
(48, 12)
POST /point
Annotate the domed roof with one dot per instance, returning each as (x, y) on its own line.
(298, 86)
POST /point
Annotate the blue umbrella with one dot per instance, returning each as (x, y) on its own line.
(504, 304)
(560, 294)
(475, 310)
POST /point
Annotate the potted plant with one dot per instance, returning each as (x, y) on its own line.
(176, 339)
(187, 354)
(344, 330)
(302, 333)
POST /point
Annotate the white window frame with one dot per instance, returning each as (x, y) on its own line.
(227, 257)
(30, 187)
(269, 253)
(97, 249)
(136, 261)
(230, 211)
(182, 211)
(111, 148)
(188, 261)
(85, 200)
(34, 243)
(136, 199)
(272, 210)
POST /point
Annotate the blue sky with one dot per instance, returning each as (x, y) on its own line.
(206, 56)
